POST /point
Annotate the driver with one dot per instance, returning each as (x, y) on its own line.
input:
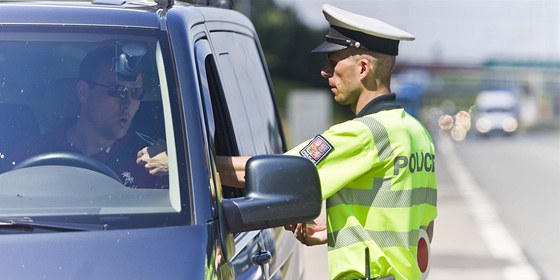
(101, 129)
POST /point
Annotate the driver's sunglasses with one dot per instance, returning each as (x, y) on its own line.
(121, 91)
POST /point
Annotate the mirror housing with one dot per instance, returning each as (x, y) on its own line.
(280, 190)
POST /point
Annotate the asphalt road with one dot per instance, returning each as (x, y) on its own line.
(498, 210)
(521, 176)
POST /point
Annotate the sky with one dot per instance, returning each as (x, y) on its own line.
(458, 31)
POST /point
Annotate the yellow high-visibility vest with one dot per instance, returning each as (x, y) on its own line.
(378, 177)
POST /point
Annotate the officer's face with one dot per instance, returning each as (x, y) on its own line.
(342, 70)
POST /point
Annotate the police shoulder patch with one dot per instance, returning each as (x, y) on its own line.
(317, 149)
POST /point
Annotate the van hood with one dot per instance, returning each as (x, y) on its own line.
(157, 253)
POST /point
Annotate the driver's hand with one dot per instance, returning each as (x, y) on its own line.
(154, 158)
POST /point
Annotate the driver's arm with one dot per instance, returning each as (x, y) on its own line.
(232, 170)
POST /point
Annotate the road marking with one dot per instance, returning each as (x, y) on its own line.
(497, 238)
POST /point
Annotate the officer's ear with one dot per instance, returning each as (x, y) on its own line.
(365, 67)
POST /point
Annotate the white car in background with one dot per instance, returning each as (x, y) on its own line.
(496, 112)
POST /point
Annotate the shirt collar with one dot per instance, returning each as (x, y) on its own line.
(380, 103)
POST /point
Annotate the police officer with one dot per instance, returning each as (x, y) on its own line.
(377, 170)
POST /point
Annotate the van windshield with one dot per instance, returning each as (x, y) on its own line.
(76, 107)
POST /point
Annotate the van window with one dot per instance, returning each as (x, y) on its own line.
(243, 108)
(76, 107)
(248, 94)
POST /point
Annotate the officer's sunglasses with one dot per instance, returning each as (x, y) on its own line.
(121, 91)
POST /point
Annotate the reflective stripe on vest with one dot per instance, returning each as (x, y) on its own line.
(356, 234)
(380, 137)
(381, 196)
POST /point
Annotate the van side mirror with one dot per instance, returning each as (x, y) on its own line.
(281, 190)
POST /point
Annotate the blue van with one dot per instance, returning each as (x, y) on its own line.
(205, 92)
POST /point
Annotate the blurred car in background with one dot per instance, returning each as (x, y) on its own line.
(496, 112)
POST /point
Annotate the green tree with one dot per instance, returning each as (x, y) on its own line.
(287, 43)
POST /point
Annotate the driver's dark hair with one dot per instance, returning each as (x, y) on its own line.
(90, 66)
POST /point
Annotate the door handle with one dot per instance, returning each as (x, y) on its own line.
(262, 257)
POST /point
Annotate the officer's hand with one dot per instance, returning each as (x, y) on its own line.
(313, 233)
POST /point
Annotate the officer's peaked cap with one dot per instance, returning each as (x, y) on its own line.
(352, 30)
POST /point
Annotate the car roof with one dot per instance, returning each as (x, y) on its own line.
(495, 98)
(120, 4)
(136, 13)
(119, 13)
